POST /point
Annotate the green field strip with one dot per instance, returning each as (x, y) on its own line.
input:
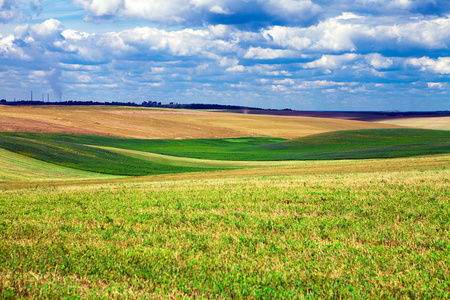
(140, 157)
(354, 144)
(204, 163)
(370, 143)
(16, 167)
(86, 158)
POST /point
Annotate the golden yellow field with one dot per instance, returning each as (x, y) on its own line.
(166, 123)
(441, 123)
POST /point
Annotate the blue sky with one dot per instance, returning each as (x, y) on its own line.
(300, 54)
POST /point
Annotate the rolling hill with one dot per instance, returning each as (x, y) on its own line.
(121, 156)
(153, 123)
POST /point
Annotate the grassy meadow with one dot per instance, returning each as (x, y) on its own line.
(357, 212)
(349, 235)
(106, 155)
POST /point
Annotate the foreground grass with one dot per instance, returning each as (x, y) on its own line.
(366, 235)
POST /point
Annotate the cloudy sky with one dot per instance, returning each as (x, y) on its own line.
(299, 54)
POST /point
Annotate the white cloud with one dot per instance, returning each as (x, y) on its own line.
(219, 10)
(11, 50)
(154, 10)
(440, 65)
(221, 31)
(279, 88)
(353, 90)
(352, 33)
(236, 68)
(268, 53)
(436, 85)
(101, 8)
(332, 35)
(180, 43)
(331, 61)
(48, 29)
(290, 37)
(288, 81)
(319, 84)
(348, 16)
(84, 78)
(378, 61)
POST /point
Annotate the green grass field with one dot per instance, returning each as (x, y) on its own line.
(353, 214)
(19, 168)
(93, 159)
(347, 235)
(76, 151)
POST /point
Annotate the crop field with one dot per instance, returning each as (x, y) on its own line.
(118, 156)
(224, 211)
(165, 123)
(440, 123)
(15, 167)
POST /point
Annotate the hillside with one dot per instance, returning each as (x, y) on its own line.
(139, 157)
(151, 123)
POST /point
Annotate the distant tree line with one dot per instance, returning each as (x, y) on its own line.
(144, 104)
(68, 103)
(256, 110)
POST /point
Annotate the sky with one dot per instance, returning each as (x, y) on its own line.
(357, 55)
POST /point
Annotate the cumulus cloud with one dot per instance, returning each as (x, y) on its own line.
(378, 61)
(170, 11)
(319, 84)
(10, 50)
(351, 33)
(331, 61)
(440, 65)
(268, 53)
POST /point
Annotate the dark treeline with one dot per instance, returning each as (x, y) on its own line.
(236, 108)
(68, 103)
(144, 104)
